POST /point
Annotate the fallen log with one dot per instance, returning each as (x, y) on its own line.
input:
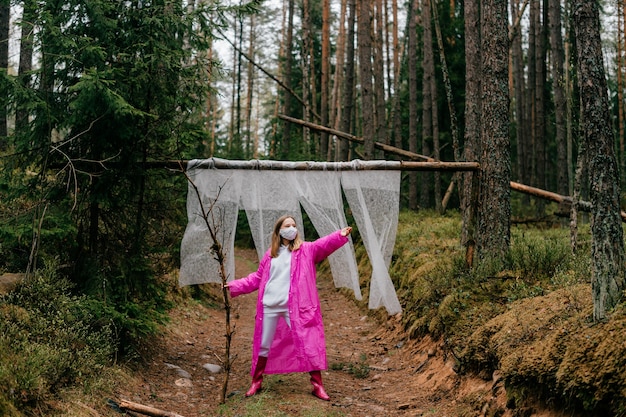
(564, 200)
(537, 192)
(147, 410)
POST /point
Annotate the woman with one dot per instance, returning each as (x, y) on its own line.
(288, 330)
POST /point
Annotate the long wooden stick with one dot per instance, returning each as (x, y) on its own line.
(355, 165)
(263, 164)
(212, 225)
(378, 145)
(147, 410)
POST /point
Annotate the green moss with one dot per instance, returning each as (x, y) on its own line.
(527, 315)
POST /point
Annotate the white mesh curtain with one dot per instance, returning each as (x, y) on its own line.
(220, 191)
(266, 196)
(374, 198)
(320, 195)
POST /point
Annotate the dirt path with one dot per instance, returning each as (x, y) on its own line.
(404, 379)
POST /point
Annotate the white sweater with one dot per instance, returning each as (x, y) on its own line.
(276, 295)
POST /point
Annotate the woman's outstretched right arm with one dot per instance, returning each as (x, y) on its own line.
(249, 283)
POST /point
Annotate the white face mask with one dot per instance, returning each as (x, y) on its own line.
(289, 233)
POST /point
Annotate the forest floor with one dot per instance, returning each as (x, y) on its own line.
(373, 369)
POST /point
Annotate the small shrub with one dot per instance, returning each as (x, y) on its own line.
(50, 339)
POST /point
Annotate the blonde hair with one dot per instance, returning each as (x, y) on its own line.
(276, 239)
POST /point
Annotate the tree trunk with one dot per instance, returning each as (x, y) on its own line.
(397, 53)
(237, 146)
(286, 137)
(519, 88)
(379, 77)
(234, 139)
(364, 20)
(568, 105)
(454, 129)
(560, 103)
(428, 104)
(621, 84)
(233, 90)
(434, 108)
(454, 126)
(255, 128)
(494, 212)
(389, 59)
(4, 65)
(348, 91)
(249, 147)
(309, 84)
(273, 142)
(211, 113)
(606, 229)
(540, 103)
(472, 113)
(324, 155)
(26, 61)
(580, 174)
(412, 70)
(338, 77)
(530, 163)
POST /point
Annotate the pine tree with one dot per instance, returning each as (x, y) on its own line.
(4, 68)
(608, 281)
(118, 85)
(494, 211)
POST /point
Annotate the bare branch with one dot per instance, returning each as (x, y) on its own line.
(213, 227)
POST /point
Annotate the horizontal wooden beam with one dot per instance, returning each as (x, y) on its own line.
(263, 164)
(354, 165)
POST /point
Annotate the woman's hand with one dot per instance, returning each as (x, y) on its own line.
(346, 231)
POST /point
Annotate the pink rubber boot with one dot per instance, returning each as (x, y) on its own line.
(318, 387)
(257, 377)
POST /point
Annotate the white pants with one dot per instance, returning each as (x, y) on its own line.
(270, 320)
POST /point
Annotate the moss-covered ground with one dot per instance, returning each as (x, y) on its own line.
(527, 317)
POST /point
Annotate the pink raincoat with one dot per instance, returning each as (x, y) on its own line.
(301, 348)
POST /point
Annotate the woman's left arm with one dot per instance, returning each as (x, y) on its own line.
(326, 245)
